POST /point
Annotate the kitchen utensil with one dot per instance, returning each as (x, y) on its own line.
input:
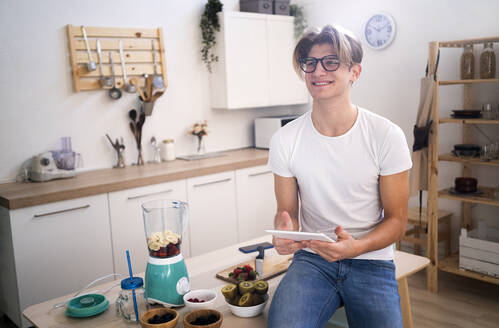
(465, 184)
(192, 316)
(144, 320)
(43, 168)
(466, 113)
(272, 266)
(132, 113)
(259, 260)
(207, 296)
(135, 82)
(114, 92)
(157, 81)
(156, 95)
(149, 87)
(166, 275)
(105, 81)
(91, 65)
(130, 88)
(156, 156)
(87, 306)
(120, 148)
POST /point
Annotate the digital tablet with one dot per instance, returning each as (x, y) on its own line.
(299, 235)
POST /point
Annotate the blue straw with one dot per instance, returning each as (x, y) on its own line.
(133, 290)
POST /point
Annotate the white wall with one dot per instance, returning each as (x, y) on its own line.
(38, 105)
(389, 84)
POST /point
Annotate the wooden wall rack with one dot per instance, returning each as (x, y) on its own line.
(137, 47)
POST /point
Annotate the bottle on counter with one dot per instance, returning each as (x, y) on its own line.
(488, 62)
(168, 150)
(467, 63)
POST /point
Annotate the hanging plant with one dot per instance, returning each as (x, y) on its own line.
(299, 22)
(209, 25)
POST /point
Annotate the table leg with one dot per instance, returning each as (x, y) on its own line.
(405, 303)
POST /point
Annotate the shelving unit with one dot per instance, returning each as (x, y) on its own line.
(490, 195)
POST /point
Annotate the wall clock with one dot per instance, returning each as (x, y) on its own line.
(379, 30)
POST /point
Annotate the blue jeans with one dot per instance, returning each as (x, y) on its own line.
(312, 290)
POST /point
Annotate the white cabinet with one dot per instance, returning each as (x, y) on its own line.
(52, 250)
(256, 203)
(212, 211)
(127, 223)
(255, 62)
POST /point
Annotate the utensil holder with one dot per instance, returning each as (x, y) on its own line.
(146, 107)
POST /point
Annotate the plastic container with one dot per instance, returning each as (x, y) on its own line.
(467, 63)
(168, 150)
(124, 303)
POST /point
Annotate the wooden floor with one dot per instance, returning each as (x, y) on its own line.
(460, 303)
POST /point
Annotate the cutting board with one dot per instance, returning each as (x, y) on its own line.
(272, 266)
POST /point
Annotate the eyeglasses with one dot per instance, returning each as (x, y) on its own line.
(330, 63)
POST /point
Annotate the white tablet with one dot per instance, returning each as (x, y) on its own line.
(299, 235)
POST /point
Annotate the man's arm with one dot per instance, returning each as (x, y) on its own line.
(394, 190)
(286, 218)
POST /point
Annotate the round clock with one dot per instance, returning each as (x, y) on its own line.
(379, 30)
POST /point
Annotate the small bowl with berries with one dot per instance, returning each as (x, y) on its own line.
(200, 299)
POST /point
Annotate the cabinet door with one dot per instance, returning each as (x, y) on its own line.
(212, 211)
(256, 203)
(285, 85)
(60, 247)
(246, 62)
(127, 224)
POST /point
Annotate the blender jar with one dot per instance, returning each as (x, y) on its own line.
(164, 222)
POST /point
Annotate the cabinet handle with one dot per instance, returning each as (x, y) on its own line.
(150, 194)
(62, 211)
(259, 173)
(212, 182)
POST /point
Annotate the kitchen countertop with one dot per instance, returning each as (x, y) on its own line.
(202, 270)
(18, 195)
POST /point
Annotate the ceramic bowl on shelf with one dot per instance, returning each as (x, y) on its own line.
(467, 113)
(144, 319)
(203, 318)
(466, 150)
(466, 184)
(200, 299)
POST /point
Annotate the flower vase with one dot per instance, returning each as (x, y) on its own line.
(200, 148)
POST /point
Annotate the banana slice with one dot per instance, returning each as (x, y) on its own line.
(154, 246)
(172, 239)
(156, 236)
(163, 242)
(168, 233)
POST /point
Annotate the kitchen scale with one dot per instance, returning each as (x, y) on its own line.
(166, 275)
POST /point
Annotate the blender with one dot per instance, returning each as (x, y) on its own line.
(166, 276)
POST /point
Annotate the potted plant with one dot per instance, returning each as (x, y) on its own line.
(209, 25)
(300, 23)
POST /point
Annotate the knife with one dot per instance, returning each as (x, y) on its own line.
(259, 260)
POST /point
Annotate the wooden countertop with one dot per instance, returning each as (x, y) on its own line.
(202, 270)
(18, 195)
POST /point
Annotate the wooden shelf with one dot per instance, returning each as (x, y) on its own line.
(467, 160)
(451, 264)
(488, 197)
(462, 43)
(453, 82)
(466, 120)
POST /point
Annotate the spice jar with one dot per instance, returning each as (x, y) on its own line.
(131, 299)
(467, 63)
(488, 62)
(168, 150)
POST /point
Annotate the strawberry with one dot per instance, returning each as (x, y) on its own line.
(248, 268)
(237, 271)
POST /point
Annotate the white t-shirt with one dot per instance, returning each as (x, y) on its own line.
(338, 177)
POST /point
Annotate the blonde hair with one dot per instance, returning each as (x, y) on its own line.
(344, 43)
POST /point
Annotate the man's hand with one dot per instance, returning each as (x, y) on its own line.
(345, 247)
(285, 246)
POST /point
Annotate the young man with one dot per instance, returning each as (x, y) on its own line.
(344, 169)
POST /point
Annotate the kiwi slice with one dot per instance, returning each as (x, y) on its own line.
(261, 287)
(246, 300)
(235, 300)
(246, 287)
(229, 291)
(258, 299)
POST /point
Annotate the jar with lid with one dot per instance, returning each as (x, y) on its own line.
(131, 302)
(488, 62)
(467, 63)
(168, 150)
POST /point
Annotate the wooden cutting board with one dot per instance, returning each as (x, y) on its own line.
(272, 266)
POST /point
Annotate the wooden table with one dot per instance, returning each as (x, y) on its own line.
(202, 270)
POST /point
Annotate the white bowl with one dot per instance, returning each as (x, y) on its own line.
(208, 295)
(248, 311)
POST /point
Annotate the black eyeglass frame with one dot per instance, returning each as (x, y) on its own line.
(316, 60)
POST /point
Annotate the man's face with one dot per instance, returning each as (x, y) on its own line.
(323, 84)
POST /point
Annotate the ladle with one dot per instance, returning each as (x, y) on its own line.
(91, 65)
(157, 81)
(114, 92)
(130, 88)
(105, 81)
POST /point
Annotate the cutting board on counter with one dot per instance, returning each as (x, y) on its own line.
(272, 266)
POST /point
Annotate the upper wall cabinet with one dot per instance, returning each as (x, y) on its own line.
(255, 67)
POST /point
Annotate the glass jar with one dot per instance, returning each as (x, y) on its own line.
(488, 62)
(467, 63)
(125, 306)
(168, 150)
